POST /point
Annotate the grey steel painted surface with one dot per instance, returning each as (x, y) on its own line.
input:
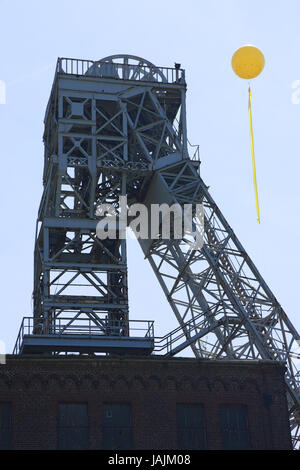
(89, 344)
(85, 335)
(110, 127)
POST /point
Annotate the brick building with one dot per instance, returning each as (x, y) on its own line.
(142, 403)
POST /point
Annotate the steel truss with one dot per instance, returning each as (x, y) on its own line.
(118, 127)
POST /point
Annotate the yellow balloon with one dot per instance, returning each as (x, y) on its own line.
(248, 62)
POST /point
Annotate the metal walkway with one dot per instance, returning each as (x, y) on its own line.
(86, 337)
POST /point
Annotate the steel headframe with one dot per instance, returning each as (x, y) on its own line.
(118, 127)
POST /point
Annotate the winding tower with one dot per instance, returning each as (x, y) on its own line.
(116, 127)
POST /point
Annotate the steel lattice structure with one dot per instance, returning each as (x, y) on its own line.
(118, 127)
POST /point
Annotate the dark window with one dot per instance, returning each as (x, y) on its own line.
(234, 427)
(73, 426)
(190, 426)
(5, 426)
(117, 431)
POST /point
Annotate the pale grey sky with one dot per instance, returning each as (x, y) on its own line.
(202, 36)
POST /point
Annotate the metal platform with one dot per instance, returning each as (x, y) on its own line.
(85, 337)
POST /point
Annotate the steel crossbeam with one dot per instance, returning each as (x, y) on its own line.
(118, 127)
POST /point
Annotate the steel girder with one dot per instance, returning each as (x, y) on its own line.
(110, 131)
(101, 138)
(219, 290)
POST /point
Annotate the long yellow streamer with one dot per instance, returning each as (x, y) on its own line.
(253, 156)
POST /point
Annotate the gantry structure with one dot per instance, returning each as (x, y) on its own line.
(116, 127)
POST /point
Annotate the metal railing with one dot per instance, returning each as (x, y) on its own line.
(177, 338)
(85, 327)
(105, 69)
(166, 344)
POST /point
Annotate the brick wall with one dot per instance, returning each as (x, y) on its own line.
(153, 386)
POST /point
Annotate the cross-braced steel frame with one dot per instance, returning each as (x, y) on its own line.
(118, 127)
